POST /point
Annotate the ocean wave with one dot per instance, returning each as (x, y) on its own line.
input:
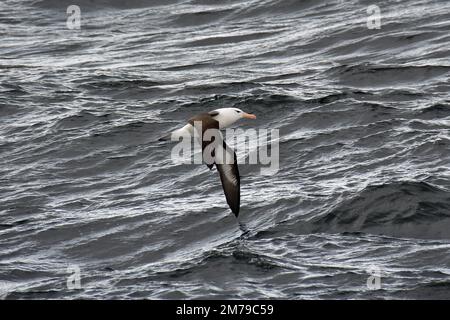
(366, 75)
(402, 209)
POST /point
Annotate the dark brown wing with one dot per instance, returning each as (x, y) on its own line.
(207, 122)
(231, 184)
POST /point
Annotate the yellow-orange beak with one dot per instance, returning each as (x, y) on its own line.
(248, 116)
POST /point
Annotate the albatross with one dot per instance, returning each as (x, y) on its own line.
(215, 146)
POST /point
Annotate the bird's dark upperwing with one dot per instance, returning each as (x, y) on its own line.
(229, 175)
(207, 122)
(224, 159)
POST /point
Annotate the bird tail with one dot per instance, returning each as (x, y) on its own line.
(166, 137)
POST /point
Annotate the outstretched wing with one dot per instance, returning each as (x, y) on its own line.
(231, 184)
(225, 160)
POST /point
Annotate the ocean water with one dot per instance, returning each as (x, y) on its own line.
(360, 206)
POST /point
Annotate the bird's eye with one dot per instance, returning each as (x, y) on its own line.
(238, 111)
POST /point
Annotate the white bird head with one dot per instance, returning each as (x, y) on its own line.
(228, 116)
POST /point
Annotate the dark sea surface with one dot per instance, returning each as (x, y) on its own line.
(364, 178)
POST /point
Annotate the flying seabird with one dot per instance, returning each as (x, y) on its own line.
(221, 155)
